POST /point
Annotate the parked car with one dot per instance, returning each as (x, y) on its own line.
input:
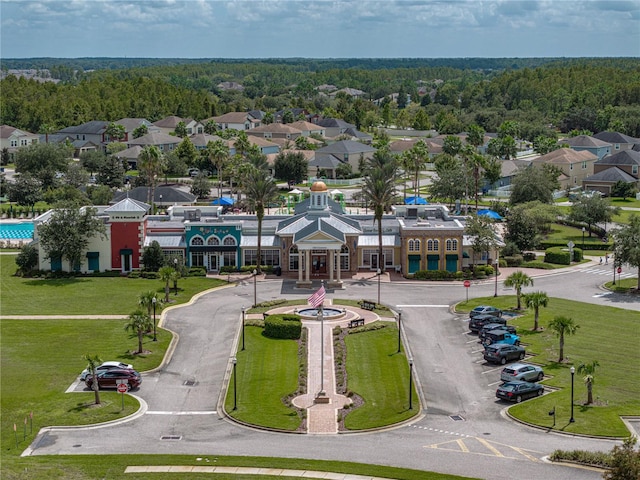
(194, 172)
(517, 391)
(522, 371)
(485, 310)
(503, 353)
(476, 323)
(500, 336)
(495, 326)
(104, 367)
(111, 378)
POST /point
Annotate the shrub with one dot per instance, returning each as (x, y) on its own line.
(598, 459)
(561, 255)
(513, 260)
(529, 256)
(150, 275)
(537, 264)
(434, 275)
(272, 303)
(197, 272)
(287, 326)
(134, 274)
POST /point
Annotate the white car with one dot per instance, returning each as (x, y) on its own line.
(105, 367)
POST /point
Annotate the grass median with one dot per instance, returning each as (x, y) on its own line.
(606, 334)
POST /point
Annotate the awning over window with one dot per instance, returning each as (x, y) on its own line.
(93, 254)
(126, 251)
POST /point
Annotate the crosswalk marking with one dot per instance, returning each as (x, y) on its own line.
(608, 272)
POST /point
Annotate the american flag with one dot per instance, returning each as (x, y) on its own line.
(317, 298)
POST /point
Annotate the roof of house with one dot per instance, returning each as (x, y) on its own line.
(335, 123)
(275, 128)
(615, 137)
(611, 175)
(203, 139)
(325, 161)
(94, 127)
(168, 193)
(346, 146)
(6, 131)
(306, 126)
(155, 138)
(566, 156)
(624, 157)
(131, 152)
(307, 154)
(130, 124)
(234, 117)
(584, 141)
(127, 204)
(259, 141)
(169, 122)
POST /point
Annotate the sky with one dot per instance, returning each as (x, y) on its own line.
(319, 28)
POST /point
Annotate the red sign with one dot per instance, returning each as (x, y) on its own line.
(467, 284)
(122, 388)
(619, 269)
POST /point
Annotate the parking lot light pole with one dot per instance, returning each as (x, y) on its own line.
(175, 267)
(235, 384)
(379, 273)
(255, 295)
(154, 300)
(573, 372)
(243, 313)
(410, 383)
(495, 292)
(399, 329)
(583, 230)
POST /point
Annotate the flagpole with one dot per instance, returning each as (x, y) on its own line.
(321, 318)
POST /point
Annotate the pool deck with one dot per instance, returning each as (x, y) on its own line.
(14, 242)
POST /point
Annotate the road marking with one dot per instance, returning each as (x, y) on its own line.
(492, 370)
(462, 446)
(159, 412)
(490, 447)
(522, 452)
(494, 383)
(422, 306)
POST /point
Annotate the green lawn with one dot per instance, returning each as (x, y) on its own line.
(85, 295)
(380, 375)
(629, 202)
(267, 371)
(40, 359)
(608, 335)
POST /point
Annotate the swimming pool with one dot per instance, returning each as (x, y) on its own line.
(10, 231)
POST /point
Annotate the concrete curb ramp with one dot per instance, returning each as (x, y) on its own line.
(279, 472)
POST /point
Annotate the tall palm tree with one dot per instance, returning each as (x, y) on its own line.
(92, 364)
(166, 275)
(150, 163)
(218, 154)
(474, 161)
(378, 190)
(563, 326)
(145, 300)
(588, 369)
(518, 280)
(139, 323)
(419, 155)
(242, 144)
(260, 190)
(536, 300)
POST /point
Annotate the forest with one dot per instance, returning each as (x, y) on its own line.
(545, 96)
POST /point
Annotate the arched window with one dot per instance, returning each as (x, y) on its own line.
(229, 240)
(197, 241)
(451, 245)
(436, 245)
(344, 259)
(411, 245)
(416, 246)
(213, 241)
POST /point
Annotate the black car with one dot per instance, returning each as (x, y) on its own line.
(503, 353)
(476, 323)
(495, 326)
(517, 391)
(111, 379)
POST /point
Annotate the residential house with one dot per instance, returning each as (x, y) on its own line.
(236, 121)
(576, 166)
(276, 130)
(296, 113)
(623, 166)
(344, 151)
(591, 144)
(131, 155)
(85, 137)
(308, 128)
(164, 142)
(619, 141)
(352, 92)
(168, 125)
(335, 126)
(266, 146)
(14, 139)
(130, 124)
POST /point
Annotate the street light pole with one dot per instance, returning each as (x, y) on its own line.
(379, 273)
(243, 312)
(235, 384)
(583, 230)
(573, 372)
(399, 330)
(410, 383)
(255, 296)
(153, 300)
(495, 292)
(175, 267)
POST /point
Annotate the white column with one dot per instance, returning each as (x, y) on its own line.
(299, 266)
(332, 254)
(338, 262)
(307, 263)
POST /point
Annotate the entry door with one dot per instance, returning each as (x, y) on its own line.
(319, 264)
(213, 261)
(374, 261)
(126, 263)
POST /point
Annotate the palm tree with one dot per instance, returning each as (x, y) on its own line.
(92, 365)
(218, 153)
(563, 326)
(588, 369)
(175, 276)
(536, 300)
(150, 162)
(518, 280)
(379, 190)
(260, 190)
(242, 144)
(418, 157)
(139, 323)
(166, 275)
(145, 300)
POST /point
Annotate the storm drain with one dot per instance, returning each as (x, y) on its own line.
(190, 383)
(171, 437)
(456, 418)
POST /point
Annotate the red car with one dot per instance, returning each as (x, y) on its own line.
(111, 379)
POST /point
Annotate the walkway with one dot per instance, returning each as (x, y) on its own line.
(322, 410)
(276, 472)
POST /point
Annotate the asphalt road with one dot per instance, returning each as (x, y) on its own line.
(462, 430)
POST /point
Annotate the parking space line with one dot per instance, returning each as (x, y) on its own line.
(492, 370)
(495, 451)
(494, 383)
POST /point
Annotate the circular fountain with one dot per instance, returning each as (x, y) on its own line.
(328, 313)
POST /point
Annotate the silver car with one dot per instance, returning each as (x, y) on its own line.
(522, 371)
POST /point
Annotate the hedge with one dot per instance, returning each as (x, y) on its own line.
(285, 326)
(561, 255)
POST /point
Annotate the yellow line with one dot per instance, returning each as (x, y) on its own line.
(463, 447)
(490, 447)
(522, 452)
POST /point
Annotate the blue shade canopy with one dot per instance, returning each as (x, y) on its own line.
(490, 214)
(223, 201)
(415, 201)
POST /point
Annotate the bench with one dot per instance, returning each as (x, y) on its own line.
(368, 305)
(356, 323)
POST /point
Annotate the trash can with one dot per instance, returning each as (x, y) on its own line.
(278, 271)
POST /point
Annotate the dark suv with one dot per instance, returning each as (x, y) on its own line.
(503, 353)
(495, 326)
(476, 323)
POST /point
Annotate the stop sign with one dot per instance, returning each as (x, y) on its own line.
(122, 388)
(467, 283)
(619, 269)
